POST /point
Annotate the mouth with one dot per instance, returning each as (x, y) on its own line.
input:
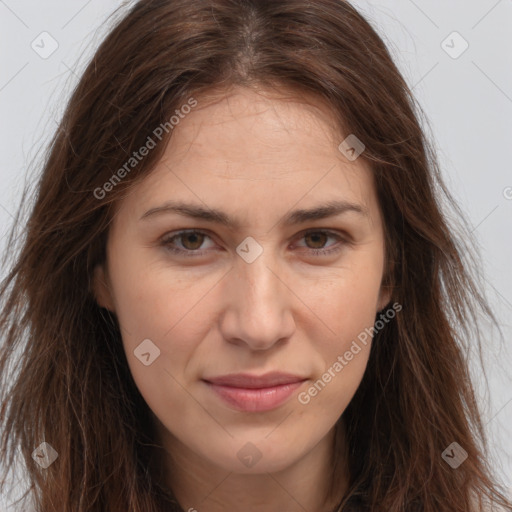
(250, 393)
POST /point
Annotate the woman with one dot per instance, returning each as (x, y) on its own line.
(193, 340)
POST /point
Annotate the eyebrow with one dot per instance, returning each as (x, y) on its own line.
(330, 209)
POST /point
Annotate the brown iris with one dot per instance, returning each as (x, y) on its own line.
(315, 236)
(197, 240)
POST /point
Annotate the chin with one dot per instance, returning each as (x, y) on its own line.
(262, 455)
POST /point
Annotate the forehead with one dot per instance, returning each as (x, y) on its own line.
(258, 126)
(255, 150)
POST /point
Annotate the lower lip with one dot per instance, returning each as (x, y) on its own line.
(255, 400)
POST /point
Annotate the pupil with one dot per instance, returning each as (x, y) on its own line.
(197, 236)
(316, 235)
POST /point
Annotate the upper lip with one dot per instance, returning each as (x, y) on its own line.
(246, 380)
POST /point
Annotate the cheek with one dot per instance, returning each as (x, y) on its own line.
(344, 354)
(154, 300)
(151, 307)
(151, 304)
(347, 305)
(347, 302)
(325, 399)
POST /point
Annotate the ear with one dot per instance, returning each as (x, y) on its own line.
(384, 297)
(101, 288)
(386, 285)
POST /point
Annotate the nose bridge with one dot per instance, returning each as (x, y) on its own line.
(260, 310)
(262, 287)
(259, 284)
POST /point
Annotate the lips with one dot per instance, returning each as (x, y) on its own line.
(245, 380)
(252, 393)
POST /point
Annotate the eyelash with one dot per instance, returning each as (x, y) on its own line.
(167, 241)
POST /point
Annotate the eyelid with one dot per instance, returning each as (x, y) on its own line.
(342, 237)
(337, 233)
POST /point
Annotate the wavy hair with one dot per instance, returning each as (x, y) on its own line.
(65, 377)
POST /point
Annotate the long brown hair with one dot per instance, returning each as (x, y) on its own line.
(71, 386)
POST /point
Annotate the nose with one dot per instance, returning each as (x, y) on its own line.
(259, 310)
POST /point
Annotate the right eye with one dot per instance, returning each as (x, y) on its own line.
(191, 240)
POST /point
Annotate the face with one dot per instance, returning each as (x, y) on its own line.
(257, 288)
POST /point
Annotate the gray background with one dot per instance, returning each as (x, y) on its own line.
(467, 100)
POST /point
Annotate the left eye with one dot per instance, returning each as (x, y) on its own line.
(192, 240)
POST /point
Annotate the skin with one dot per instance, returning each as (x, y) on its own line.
(256, 157)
